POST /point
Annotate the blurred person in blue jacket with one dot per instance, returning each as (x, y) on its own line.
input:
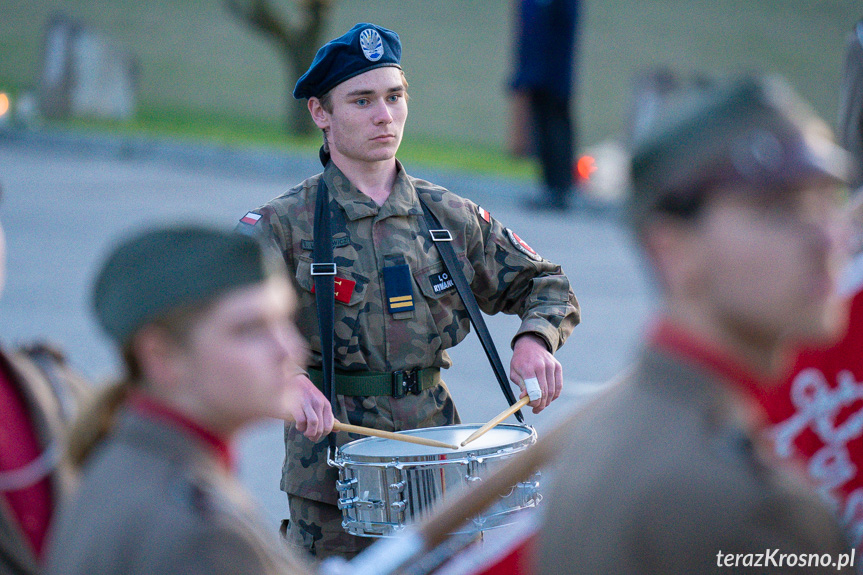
(543, 88)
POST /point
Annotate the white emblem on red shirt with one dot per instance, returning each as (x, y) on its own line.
(834, 416)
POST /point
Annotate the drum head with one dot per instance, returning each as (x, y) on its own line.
(378, 449)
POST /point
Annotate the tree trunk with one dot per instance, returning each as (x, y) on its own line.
(297, 118)
(298, 44)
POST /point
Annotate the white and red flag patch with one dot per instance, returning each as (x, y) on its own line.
(250, 218)
(483, 213)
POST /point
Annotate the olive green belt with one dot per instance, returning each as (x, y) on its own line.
(396, 384)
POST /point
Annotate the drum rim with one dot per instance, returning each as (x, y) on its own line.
(440, 456)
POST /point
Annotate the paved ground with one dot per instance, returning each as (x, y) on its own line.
(65, 201)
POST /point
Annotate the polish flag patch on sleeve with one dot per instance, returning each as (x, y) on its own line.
(251, 218)
(483, 213)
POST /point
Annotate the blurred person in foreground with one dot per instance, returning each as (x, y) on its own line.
(736, 202)
(817, 413)
(39, 396)
(204, 324)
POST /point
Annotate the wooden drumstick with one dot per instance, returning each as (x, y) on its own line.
(534, 392)
(339, 426)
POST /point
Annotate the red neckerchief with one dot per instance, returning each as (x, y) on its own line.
(155, 409)
(685, 344)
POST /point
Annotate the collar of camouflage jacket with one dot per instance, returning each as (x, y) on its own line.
(402, 201)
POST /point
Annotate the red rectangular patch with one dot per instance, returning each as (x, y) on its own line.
(344, 289)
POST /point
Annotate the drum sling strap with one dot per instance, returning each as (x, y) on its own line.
(324, 272)
(442, 238)
(324, 276)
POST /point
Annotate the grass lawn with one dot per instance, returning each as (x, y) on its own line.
(204, 75)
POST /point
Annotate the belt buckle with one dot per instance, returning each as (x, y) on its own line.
(406, 381)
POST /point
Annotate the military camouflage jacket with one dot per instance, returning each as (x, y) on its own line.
(505, 274)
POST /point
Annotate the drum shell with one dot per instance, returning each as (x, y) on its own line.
(380, 494)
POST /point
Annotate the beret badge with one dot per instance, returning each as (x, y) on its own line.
(371, 44)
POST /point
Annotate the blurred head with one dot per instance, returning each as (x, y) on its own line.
(736, 197)
(205, 322)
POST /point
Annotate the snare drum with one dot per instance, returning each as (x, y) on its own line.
(385, 484)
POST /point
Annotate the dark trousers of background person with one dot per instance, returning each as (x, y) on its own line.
(553, 133)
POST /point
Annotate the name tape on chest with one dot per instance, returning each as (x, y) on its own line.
(341, 242)
(441, 282)
(522, 246)
(398, 288)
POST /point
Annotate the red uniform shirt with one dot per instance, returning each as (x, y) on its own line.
(31, 505)
(817, 414)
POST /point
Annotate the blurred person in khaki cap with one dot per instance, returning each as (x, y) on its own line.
(816, 413)
(205, 326)
(39, 395)
(736, 200)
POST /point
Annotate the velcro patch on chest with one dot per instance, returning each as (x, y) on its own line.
(340, 242)
(441, 282)
(344, 289)
(522, 246)
(399, 288)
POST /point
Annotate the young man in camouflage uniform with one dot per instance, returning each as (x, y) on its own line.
(396, 308)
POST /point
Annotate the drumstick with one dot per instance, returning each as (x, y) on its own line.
(339, 426)
(493, 422)
(531, 384)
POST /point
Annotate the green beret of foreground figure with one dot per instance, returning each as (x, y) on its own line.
(193, 263)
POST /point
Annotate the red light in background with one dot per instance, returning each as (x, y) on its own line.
(4, 103)
(585, 166)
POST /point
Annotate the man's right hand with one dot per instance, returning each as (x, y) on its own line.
(311, 411)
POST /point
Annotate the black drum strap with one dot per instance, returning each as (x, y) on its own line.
(324, 275)
(442, 239)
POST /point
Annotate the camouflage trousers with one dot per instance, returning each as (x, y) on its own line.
(316, 528)
(310, 482)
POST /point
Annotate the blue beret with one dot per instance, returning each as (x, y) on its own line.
(364, 47)
(166, 268)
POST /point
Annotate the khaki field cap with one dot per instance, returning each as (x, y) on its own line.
(751, 132)
(166, 268)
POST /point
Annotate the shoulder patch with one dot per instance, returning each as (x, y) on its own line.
(251, 218)
(522, 246)
(483, 214)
